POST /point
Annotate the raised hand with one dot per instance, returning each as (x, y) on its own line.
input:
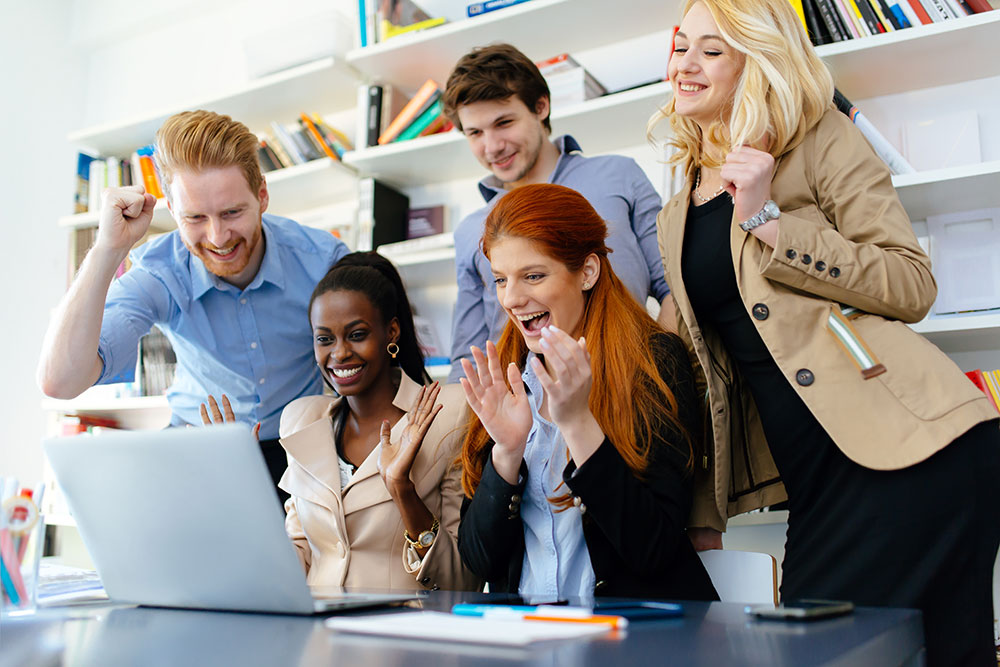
(396, 460)
(505, 413)
(126, 213)
(211, 414)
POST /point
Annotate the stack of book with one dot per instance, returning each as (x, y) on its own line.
(157, 363)
(989, 383)
(569, 82)
(94, 174)
(311, 138)
(379, 20)
(479, 8)
(74, 424)
(422, 115)
(838, 20)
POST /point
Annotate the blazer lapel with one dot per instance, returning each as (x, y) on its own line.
(315, 450)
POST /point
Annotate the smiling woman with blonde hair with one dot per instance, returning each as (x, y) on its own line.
(793, 267)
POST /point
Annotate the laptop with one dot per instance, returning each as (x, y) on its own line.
(187, 517)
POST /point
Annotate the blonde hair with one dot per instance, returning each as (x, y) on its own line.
(198, 140)
(782, 92)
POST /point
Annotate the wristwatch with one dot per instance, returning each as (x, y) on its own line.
(425, 539)
(769, 212)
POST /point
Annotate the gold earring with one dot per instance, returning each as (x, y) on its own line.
(392, 349)
(586, 285)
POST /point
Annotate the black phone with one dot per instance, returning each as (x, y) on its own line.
(640, 611)
(802, 610)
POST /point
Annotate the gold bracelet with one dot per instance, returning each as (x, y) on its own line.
(425, 539)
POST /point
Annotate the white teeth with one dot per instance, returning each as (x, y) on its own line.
(525, 318)
(347, 372)
(690, 88)
(226, 251)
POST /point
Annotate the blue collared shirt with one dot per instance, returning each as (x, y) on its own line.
(254, 345)
(556, 559)
(621, 194)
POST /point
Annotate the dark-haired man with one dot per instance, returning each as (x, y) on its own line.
(499, 100)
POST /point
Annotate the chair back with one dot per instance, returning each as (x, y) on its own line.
(742, 576)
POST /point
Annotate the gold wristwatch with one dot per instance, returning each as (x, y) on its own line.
(425, 539)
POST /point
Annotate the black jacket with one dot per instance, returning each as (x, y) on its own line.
(634, 528)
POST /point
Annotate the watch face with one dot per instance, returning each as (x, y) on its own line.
(771, 210)
(426, 538)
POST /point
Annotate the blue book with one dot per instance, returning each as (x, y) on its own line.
(900, 16)
(362, 20)
(477, 8)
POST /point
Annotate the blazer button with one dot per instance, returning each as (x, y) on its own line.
(425, 580)
(821, 265)
(834, 271)
(515, 498)
(805, 377)
(791, 254)
(807, 259)
(760, 311)
(513, 508)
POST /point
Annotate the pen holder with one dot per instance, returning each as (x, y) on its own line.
(20, 555)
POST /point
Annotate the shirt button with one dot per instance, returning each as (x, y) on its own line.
(821, 265)
(260, 381)
(791, 254)
(760, 311)
(577, 501)
(835, 272)
(805, 377)
(253, 346)
(243, 301)
(806, 259)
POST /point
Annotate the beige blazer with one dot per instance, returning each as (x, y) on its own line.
(844, 241)
(354, 536)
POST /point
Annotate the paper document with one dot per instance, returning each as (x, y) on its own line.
(435, 626)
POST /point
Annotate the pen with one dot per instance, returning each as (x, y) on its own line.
(539, 613)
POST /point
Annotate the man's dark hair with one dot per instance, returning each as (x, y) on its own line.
(494, 72)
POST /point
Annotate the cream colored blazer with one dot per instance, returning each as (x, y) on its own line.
(353, 536)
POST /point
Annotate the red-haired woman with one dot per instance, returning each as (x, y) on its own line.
(576, 487)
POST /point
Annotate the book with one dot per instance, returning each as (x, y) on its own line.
(979, 6)
(432, 113)
(390, 30)
(272, 154)
(398, 17)
(874, 26)
(829, 16)
(477, 8)
(279, 151)
(800, 11)
(264, 159)
(956, 8)
(904, 7)
(993, 387)
(931, 7)
(362, 24)
(81, 197)
(317, 137)
(977, 379)
(290, 147)
(425, 222)
(410, 111)
(440, 124)
(338, 140)
(884, 15)
(817, 30)
(385, 102)
(848, 18)
(943, 10)
(382, 214)
(885, 150)
(919, 10)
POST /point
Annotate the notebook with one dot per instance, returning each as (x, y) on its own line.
(187, 517)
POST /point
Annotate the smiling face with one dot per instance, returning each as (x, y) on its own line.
(703, 69)
(219, 220)
(509, 139)
(350, 340)
(537, 290)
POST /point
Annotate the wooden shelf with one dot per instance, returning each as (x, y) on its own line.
(967, 332)
(916, 58)
(322, 86)
(939, 191)
(540, 29)
(602, 124)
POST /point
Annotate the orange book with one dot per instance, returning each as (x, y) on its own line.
(149, 180)
(317, 135)
(437, 125)
(409, 112)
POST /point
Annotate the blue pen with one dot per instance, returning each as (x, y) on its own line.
(464, 609)
(8, 584)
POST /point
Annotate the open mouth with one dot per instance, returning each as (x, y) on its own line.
(532, 323)
(691, 87)
(345, 376)
(223, 253)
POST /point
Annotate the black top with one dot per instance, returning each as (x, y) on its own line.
(634, 529)
(802, 450)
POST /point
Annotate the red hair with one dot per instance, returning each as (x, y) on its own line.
(629, 399)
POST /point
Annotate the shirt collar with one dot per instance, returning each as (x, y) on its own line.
(202, 280)
(491, 186)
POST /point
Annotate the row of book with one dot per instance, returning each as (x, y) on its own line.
(389, 115)
(157, 363)
(568, 82)
(311, 138)
(829, 21)
(380, 20)
(94, 174)
(989, 383)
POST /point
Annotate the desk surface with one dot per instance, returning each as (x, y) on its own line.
(708, 634)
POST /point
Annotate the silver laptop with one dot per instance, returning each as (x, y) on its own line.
(187, 517)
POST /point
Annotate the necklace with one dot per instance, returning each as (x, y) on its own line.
(697, 182)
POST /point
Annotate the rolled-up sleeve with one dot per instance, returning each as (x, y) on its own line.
(135, 302)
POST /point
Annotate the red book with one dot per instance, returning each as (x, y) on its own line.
(921, 13)
(978, 6)
(977, 379)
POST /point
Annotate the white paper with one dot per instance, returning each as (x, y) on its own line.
(945, 141)
(965, 257)
(436, 626)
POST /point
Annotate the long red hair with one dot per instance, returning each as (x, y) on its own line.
(628, 397)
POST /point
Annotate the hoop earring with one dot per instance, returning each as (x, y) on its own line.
(392, 349)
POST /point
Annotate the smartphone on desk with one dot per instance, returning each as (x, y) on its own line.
(802, 610)
(640, 611)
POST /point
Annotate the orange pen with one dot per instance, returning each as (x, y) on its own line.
(616, 622)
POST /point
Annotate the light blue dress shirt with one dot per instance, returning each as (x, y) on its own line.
(556, 559)
(621, 194)
(254, 345)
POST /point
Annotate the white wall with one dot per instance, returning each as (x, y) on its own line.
(41, 80)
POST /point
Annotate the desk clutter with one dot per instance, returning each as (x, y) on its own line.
(21, 531)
